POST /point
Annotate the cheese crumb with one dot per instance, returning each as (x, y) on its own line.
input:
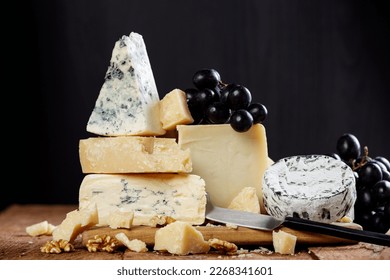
(133, 245)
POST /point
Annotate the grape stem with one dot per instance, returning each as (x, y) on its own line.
(364, 160)
(222, 84)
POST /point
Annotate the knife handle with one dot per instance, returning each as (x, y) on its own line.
(338, 231)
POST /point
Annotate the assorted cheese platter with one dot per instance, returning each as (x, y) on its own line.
(151, 163)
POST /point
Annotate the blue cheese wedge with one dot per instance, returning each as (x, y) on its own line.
(314, 187)
(153, 198)
(128, 102)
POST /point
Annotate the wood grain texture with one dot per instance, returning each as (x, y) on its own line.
(240, 236)
(16, 244)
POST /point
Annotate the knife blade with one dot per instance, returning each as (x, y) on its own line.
(269, 223)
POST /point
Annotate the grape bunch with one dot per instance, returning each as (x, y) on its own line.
(372, 206)
(211, 101)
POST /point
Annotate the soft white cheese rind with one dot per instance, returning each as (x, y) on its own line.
(314, 187)
(149, 196)
(128, 102)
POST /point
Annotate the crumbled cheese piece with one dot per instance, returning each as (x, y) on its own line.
(232, 226)
(284, 243)
(133, 245)
(180, 238)
(42, 228)
(76, 222)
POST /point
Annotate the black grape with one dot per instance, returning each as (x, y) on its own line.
(369, 174)
(239, 97)
(348, 147)
(241, 120)
(218, 113)
(206, 78)
(258, 111)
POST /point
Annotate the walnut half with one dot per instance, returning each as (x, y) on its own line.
(102, 243)
(57, 246)
(223, 246)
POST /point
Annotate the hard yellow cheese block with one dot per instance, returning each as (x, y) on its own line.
(227, 160)
(133, 154)
(174, 110)
(180, 238)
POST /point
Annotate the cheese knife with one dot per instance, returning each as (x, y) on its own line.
(266, 222)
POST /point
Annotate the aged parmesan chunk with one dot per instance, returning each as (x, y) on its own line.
(133, 245)
(133, 154)
(283, 242)
(246, 200)
(228, 161)
(41, 228)
(128, 102)
(120, 219)
(75, 223)
(174, 110)
(314, 187)
(180, 238)
(179, 196)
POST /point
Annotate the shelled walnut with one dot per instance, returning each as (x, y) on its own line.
(102, 243)
(57, 247)
(223, 246)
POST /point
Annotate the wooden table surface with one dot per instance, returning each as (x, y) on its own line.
(16, 244)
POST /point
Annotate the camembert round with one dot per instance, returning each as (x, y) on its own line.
(314, 187)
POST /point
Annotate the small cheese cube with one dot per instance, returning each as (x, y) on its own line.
(246, 200)
(180, 238)
(174, 110)
(120, 219)
(42, 228)
(133, 154)
(283, 242)
(133, 245)
(76, 222)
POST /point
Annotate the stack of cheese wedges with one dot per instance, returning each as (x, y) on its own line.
(131, 166)
(136, 173)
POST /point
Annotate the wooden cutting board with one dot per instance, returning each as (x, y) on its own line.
(240, 236)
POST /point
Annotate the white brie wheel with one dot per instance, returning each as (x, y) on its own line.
(314, 187)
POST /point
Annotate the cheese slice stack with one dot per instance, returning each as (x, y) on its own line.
(128, 167)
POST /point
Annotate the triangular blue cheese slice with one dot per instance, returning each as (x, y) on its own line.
(128, 102)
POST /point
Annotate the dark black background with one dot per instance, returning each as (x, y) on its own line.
(320, 67)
